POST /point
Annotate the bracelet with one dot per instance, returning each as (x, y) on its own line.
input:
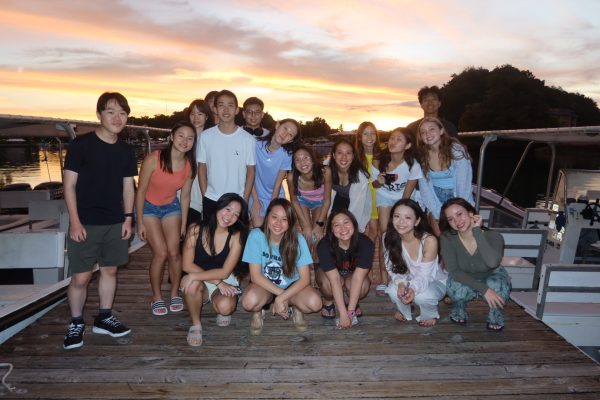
(217, 284)
(128, 215)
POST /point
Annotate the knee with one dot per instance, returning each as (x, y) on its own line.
(225, 306)
(160, 254)
(173, 253)
(314, 303)
(79, 281)
(249, 302)
(109, 272)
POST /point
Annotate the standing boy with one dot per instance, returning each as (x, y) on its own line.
(226, 156)
(430, 99)
(99, 192)
(253, 112)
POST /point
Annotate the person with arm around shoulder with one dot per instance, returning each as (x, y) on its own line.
(345, 259)
(273, 161)
(279, 261)
(99, 193)
(212, 260)
(472, 256)
(411, 258)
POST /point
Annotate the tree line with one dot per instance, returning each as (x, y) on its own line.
(474, 100)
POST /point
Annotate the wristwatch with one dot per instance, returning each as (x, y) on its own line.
(320, 223)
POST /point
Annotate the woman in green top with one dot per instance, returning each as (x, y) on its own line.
(472, 257)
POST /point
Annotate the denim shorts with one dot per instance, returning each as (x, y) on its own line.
(443, 194)
(310, 204)
(160, 212)
(382, 201)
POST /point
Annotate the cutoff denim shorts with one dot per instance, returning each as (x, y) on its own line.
(310, 204)
(160, 212)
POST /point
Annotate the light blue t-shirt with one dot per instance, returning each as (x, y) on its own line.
(257, 252)
(268, 165)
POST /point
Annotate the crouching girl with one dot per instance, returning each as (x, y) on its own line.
(345, 259)
(411, 259)
(278, 257)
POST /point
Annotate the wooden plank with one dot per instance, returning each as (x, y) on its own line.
(379, 358)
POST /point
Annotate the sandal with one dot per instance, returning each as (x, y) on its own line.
(298, 320)
(380, 290)
(358, 311)
(194, 336)
(494, 327)
(159, 307)
(223, 320)
(176, 304)
(328, 312)
(458, 321)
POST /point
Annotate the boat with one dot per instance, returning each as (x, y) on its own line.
(569, 227)
(33, 223)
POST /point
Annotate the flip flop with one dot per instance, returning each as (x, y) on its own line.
(176, 304)
(328, 312)
(490, 328)
(159, 308)
(458, 321)
(194, 336)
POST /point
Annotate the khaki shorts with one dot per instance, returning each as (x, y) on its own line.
(103, 246)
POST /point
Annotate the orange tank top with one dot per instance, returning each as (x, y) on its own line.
(163, 186)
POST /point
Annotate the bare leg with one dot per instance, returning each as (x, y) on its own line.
(171, 227)
(77, 292)
(157, 241)
(195, 296)
(107, 285)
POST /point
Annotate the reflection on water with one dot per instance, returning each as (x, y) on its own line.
(34, 164)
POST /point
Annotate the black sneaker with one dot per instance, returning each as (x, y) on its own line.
(74, 336)
(110, 326)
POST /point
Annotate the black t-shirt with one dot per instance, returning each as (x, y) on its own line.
(366, 250)
(100, 169)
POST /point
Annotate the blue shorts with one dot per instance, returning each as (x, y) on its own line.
(388, 202)
(443, 194)
(310, 204)
(160, 212)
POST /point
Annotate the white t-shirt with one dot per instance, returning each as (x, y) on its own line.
(226, 157)
(402, 174)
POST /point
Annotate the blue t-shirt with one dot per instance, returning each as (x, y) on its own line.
(257, 252)
(268, 165)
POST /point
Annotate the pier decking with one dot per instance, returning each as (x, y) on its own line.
(379, 358)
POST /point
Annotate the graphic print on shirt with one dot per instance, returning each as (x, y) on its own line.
(273, 269)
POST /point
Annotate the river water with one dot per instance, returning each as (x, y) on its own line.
(35, 164)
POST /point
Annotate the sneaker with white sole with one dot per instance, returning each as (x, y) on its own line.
(110, 326)
(74, 336)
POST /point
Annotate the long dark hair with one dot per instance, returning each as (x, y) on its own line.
(335, 244)
(393, 241)
(359, 149)
(409, 154)
(165, 154)
(459, 201)
(208, 228)
(288, 246)
(317, 171)
(289, 147)
(447, 145)
(355, 167)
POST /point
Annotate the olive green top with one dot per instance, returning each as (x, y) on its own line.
(471, 270)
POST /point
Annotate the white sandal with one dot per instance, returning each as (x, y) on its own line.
(223, 320)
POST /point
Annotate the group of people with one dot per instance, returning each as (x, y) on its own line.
(212, 206)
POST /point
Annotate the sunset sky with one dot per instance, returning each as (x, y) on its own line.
(344, 61)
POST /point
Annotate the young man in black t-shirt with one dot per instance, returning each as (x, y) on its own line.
(99, 192)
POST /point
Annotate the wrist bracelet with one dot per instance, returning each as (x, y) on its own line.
(128, 215)
(217, 284)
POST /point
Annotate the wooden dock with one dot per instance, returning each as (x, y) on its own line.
(379, 358)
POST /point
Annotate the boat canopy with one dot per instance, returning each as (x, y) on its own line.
(23, 126)
(550, 136)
